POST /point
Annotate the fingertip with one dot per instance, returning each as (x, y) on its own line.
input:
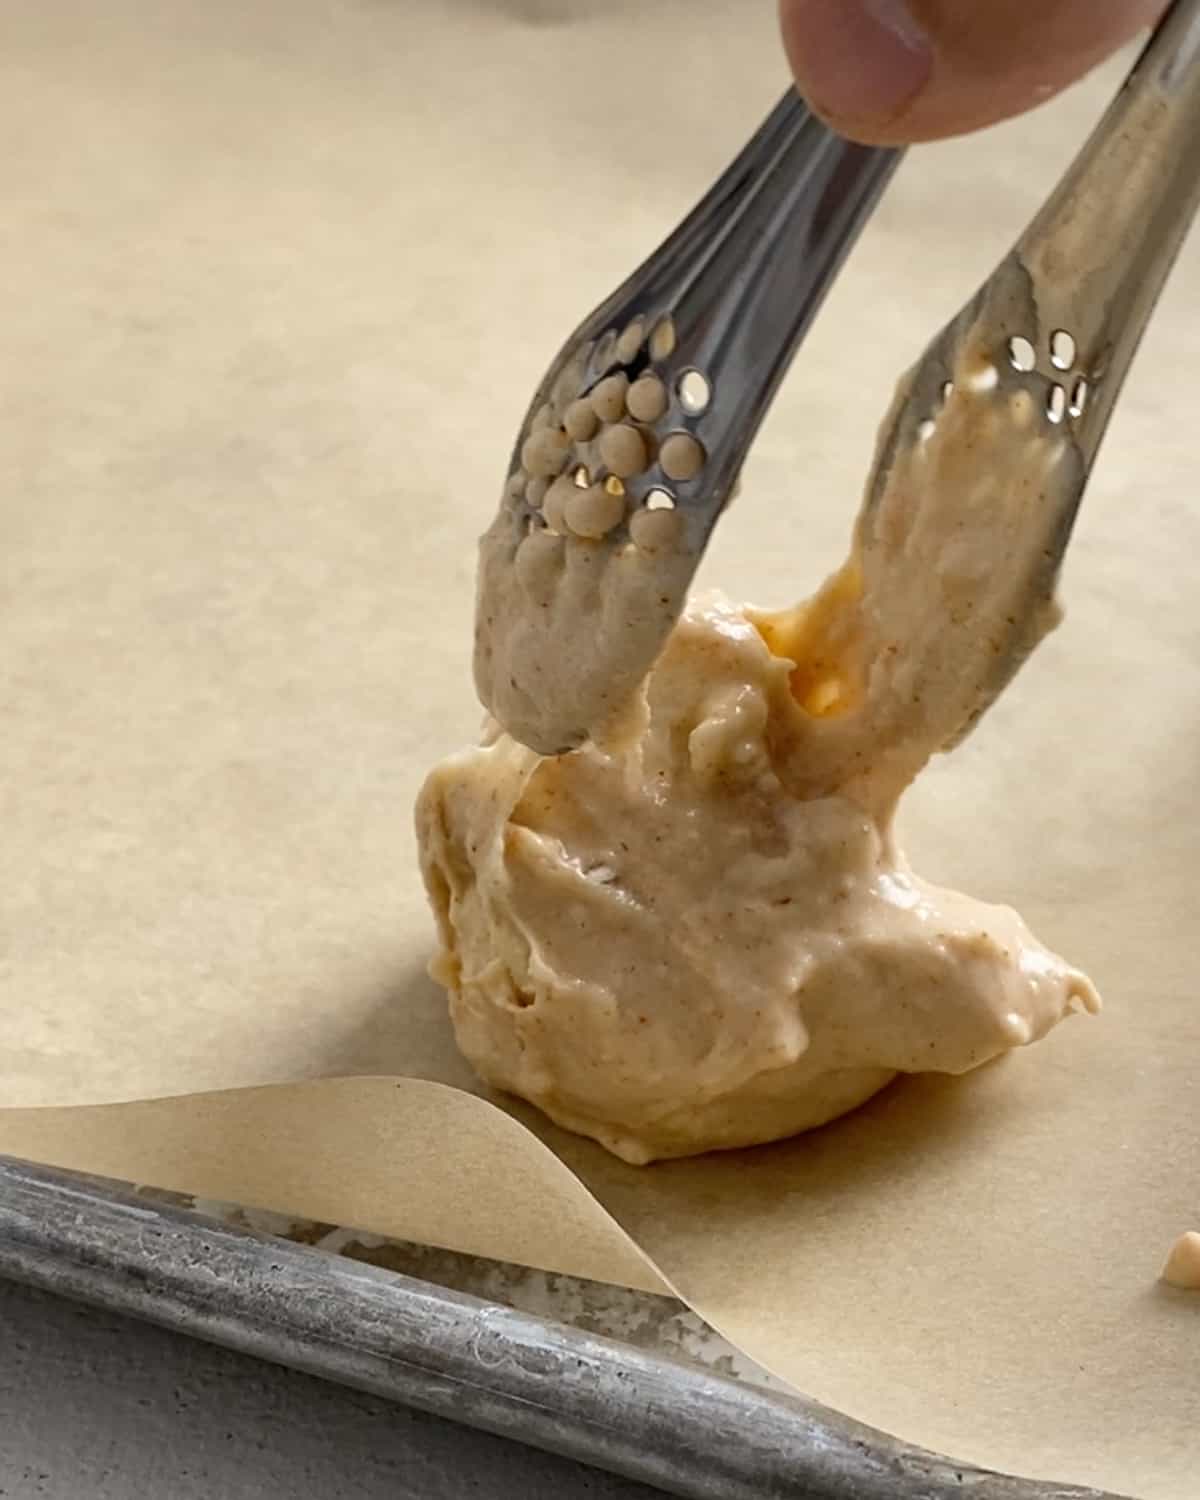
(900, 71)
(860, 63)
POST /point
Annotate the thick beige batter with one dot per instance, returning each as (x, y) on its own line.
(666, 948)
(1182, 1266)
(700, 934)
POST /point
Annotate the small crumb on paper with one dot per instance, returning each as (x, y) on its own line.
(1182, 1268)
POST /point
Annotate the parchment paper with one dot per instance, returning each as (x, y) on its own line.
(276, 281)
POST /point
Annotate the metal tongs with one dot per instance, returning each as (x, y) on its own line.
(633, 443)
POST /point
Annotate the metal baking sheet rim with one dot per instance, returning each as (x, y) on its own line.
(650, 1418)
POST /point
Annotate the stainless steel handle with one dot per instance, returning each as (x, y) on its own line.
(996, 430)
(1098, 253)
(722, 305)
(747, 271)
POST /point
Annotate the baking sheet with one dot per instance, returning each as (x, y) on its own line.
(275, 283)
(483, 1362)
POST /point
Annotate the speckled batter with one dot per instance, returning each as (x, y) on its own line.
(668, 949)
(696, 932)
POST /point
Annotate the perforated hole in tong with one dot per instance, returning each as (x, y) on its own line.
(1021, 353)
(660, 500)
(630, 341)
(695, 392)
(1062, 349)
(681, 457)
(606, 350)
(947, 391)
(1056, 403)
(1079, 397)
(662, 338)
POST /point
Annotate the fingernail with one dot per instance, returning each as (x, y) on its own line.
(861, 60)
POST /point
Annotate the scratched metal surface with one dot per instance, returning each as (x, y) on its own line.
(584, 1397)
(98, 1405)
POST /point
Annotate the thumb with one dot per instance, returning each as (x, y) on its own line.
(912, 70)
